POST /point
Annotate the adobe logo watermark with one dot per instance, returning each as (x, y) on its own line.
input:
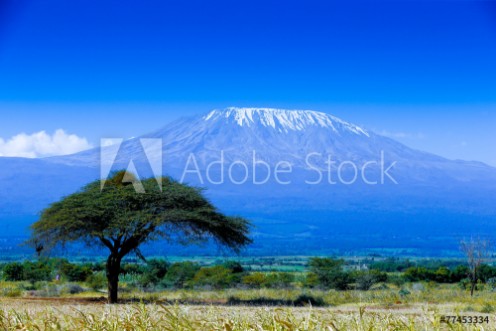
(318, 168)
(109, 150)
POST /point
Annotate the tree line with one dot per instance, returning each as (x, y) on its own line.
(321, 273)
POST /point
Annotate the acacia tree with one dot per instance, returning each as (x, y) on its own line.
(476, 252)
(121, 219)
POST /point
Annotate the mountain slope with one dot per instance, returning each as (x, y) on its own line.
(304, 139)
(424, 184)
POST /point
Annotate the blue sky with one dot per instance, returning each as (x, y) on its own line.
(423, 72)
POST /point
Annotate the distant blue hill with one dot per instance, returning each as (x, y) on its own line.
(426, 207)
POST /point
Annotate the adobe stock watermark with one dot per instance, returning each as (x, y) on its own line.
(240, 172)
(152, 150)
(318, 168)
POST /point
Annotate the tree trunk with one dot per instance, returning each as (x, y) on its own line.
(113, 271)
(473, 281)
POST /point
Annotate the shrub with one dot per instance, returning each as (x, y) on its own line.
(71, 289)
(270, 280)
(36, 271)
(464, 284)
(311, 280)
(391, 265)
(459, 273)
(415, 274)
(154, 272)
(486, 272)
(491, 282)
(132, 269)
(397, 280)
(366, 279)
(329, 273)
(181, 274)
(75, 272)
(45, 289)
(234, 266)
(305, 300)
(97, 281)
(279, 280)
(254, 280)
(487, 309)
(218, 277)
(13, 272)
(441, 275)
(10, 290)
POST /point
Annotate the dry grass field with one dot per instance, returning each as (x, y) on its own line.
(212, 310)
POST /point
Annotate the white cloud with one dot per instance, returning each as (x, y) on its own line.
(41, 144)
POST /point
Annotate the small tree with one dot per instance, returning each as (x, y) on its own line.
(329, 273)
(476, 251)
(121, 219)
(13, 271)
(154, 272)
(181, 274)
(367, 278)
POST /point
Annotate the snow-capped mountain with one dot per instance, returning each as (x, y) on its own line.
(427, 189)
(283, 120)
(277, 135)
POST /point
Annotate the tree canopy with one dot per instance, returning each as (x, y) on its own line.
(121, 219)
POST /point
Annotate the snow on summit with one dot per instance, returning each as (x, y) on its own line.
(283, 120)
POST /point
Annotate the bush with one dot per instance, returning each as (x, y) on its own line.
(465, 284)
(486, 272)
(487, 309)
(154, 272)
(45, 289)
(397, 280)
(366, 279)
(13, 272)
(459, 273)
(305, 300)
(71, 289)
(218, 277)
(279, 280)
(491, 282)
(311, 280)
(10, 290)
(329, 273)
(270, 280)
(254, 280)
(441, 275)
(28, 270)
(97, 281)
(391, 265)
(181, 274)
(36, 271)
(75, 272)
(415, 274)
(132, 269)
(234, 266)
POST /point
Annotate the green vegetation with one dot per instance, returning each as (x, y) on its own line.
(329, 294)
(321, 274)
